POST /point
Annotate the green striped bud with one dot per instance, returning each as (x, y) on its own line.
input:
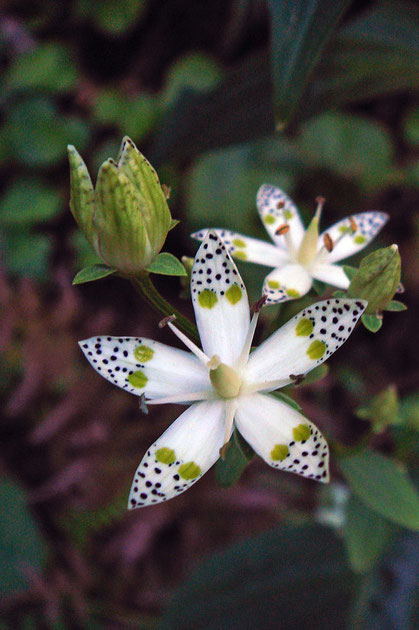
(377, 278)
(126, 217)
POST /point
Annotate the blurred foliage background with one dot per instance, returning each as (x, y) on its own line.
(318, 97)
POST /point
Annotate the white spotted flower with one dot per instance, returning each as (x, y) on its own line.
(300, 256)
(224, 383)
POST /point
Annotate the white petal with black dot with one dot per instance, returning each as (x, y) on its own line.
(304, 342)
(247, 248)
(220, 301)
(283, 437)
(352, 234)
(287, 283)
(179, 458)
(276, 210)
(143, 366)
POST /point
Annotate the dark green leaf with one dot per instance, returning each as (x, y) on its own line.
(299, 32)
(411, 126)
(194, 71)
(383, 486)
(21, 549)
(229, 470)
(94, 272)
(365, 534)
(372, 322)
(395, 306)
(28, 201)
(167, 265)
(285, 578)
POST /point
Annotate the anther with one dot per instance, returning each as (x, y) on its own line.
(143, 404)
(280, 205)
(353, 224)
(224, 449)
(297, 378)
(257, 306)
(163, 322)
(167, 190)
(328, 242)
(283, 229)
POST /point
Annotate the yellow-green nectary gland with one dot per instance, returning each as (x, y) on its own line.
(301, 433)
(234, 294)
(316, 349)
(225, 381)
(359, 240)
(190, 470)
(304, 328)
(143, 353)
(207, 298)
(269, 219)
(273, 284)
(238, 242)
(279, 452)
(288, 215)
(165, 455)
(240, 254)
(292, 293)
(138, 379)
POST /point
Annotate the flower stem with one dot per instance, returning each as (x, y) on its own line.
(144, 286)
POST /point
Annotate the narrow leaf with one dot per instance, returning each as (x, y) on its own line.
(94, 272)
(167, 265)
(383, 486)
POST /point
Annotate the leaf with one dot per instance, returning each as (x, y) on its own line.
(372, 322)
(93, 272)
(382, 410)
(300, 30)
(365, 534)
(114, 17)
(284, 578)
(193, 71)
(167, 265)
(239, 454)
(25, 254)
(22, 550)
(383, 486)
(377, 279)
(317, 374)
(395, 306)
(28, 201)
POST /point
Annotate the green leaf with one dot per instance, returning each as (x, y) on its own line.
(22, 549)
(114, 17)
(372, 322)
(25, 254)
(365, 534)
(93, 272)
(300, 30)
(317, 374)
(28, 201)
(395, 306)
(383, 486)
(349, 271)
(382, 410)
(377, 279)
(173, 224)
(167, 265)
(288, 400)
(134, 117)
(229, 470)
(285, 578)
(319, 287)
(193, 71)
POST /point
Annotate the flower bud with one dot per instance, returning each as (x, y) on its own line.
(377, 278)
(126, 217)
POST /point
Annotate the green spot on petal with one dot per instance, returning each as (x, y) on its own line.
(292, 293)
(234, 294)
(359, 240)
(190, 470)
(288, 215)
(269, 219)
(241, 255)
(279, 452)
(165, 455)
(143, 353)
(304, 328)
(238, 242)
(273, 284)
(344, 228)
(301, 433)
(137, 379)
(316, 349)
(207, 298)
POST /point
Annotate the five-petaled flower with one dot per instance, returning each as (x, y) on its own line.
(300, 256)
(225, 383)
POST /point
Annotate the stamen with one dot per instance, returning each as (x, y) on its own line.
(264, 386)
(320, 203)
(328, 242)
(283, 229)
(163, 322)
(231, 408)
(179, 398)
(353, 224)
(188, 343)
(297, 378)
(244, 355)
(280, 205)
(257, 306)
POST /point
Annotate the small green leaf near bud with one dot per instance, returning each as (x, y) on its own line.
(377, 279)
(395, 306)
(93, 272)
(372, 322)
(167, 265)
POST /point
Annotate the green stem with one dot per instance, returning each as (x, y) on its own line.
(149, 293)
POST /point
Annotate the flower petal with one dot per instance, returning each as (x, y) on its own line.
(277, 209)
(185, 451)
(331, 274)
(368, 225)
(143, 366)
(247, 248)
(304, 342)
(283, 437)
(286, 283)
(220, 301)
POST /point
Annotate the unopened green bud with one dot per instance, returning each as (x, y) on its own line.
(377, 278)
(126, 217)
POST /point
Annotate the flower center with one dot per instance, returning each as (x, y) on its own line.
(226, 381)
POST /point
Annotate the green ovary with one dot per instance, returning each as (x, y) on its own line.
(234, 294)
(304, 328)
(143, 353)
(190, 470)
(207, 299)
(137, 379)
(165, 455)
(279, 452)
(316, 349)
(301, 433)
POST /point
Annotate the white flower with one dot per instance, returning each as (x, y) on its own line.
(224, 383)
(300, 256)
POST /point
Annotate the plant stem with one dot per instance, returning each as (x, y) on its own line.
(144, 286)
